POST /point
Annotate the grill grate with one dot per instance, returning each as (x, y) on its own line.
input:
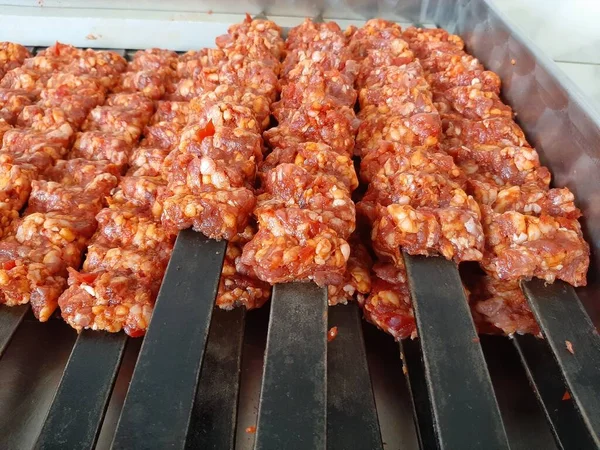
(185, 387)
(547, 382)
(350, 402)
(564, 323)
(88, 379)
(292, 412)
(452, 358)
(214, 414)
(159, 402)
(412, 361)
(10, 319)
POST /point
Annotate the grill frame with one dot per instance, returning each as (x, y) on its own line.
(460, 18)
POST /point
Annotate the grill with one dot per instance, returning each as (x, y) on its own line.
(203, 378)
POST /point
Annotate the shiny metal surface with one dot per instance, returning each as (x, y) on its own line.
(29, 374)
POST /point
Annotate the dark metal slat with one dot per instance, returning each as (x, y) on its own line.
(547, 382)
(565, 324)
(214, 415)
(465, 410)
(159, 402)
(415, 377)
(78, 408)
(293, 405)
(10, 319)
(351, 413)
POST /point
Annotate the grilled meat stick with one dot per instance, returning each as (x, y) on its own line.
(305, 213)
(62, 196)
(530, 229)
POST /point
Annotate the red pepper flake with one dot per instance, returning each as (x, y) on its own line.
(570, 347)
(87, 278)
(513, 62)
(207, 131)
(476, 339)
(248, 18)
(332, 334)
(251, 430)
(9, 265)
(567, 396)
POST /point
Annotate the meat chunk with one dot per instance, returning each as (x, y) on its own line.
(219, 214)
(310, 82)
(152, 83)
(24, 142)
(259, 37)
(15, 183)
(390, 159)
(104, 66)
(512, 165)
(377, 34)
(322, 42)
(528, 198)
(32, 273)
(472, 103)
(502, 306)
(417, 130)
(203, 173)
(4, 127)
(80, 172)
(123, 226)
(149, 264)
(332, 126)
(110, 301)
(153, 59)
(12, 104)
(357, 279)
(305, 250)
(388, 305)
(116, 119)
(141, 192)
(316, 159)
(147, 161)
(161, 135)
(171, 112)
(104, 145)
(224, 115)
(422, 36)
(24, 79)
(289, 186)
(59, 227)
(523, 246)
(11, 56)
(237, 289)
(258, 104)
(48, 196)
(454, 233)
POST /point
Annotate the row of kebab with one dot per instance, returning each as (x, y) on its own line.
(322, 157)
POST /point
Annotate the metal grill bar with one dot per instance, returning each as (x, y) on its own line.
(415, 377)
(465, 410)
(351, 414)
(574, 341)
(80, 402)
(292, 410)
(214, 415)
(159, 402)
(547, 382)
(10, 319)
